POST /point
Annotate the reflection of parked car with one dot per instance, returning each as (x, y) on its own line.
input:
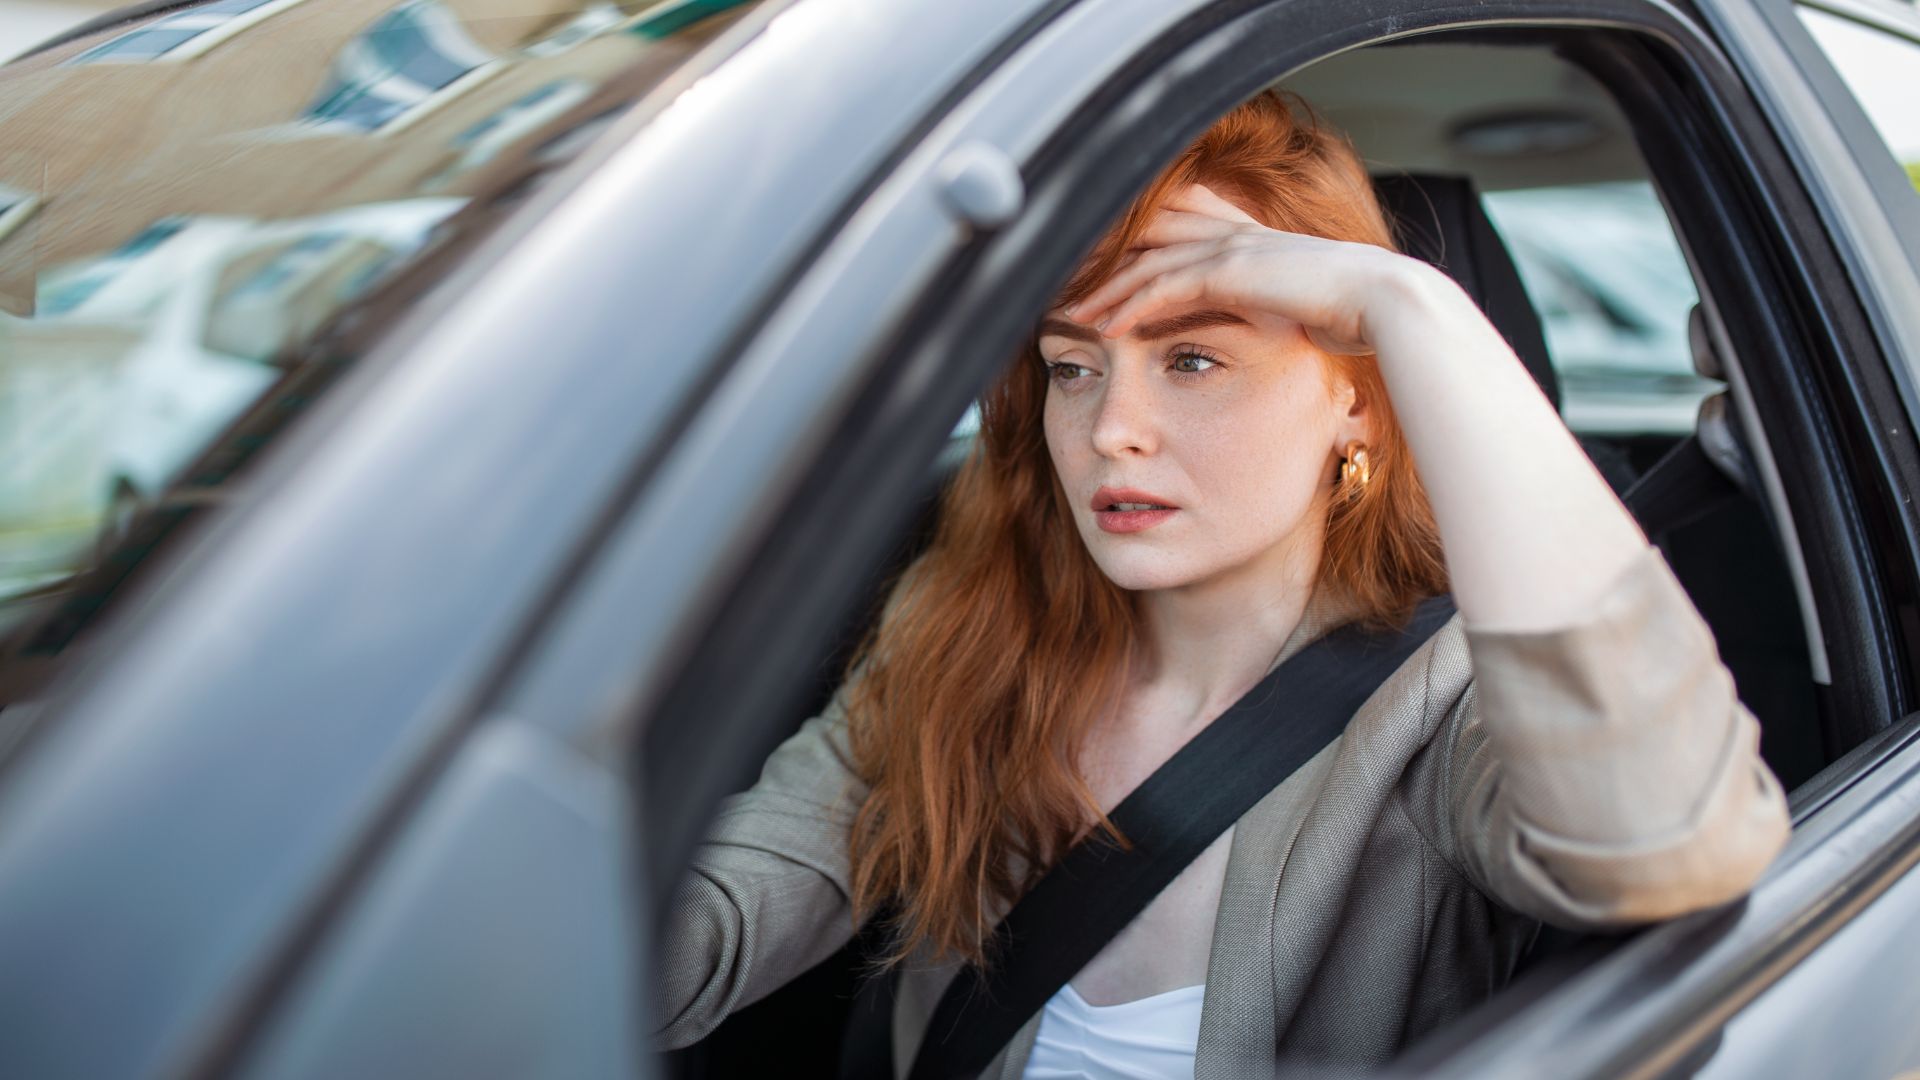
(193, 307)
(371, 746)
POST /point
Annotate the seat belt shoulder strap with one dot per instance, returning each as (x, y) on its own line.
(1098, 888)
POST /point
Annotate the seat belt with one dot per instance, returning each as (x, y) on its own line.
(1097, 888)
(1682, 487)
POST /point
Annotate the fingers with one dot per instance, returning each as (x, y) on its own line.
(1201, 199)
(1185, 227)
(1194, 223)
(1188, 252)
(1187, 283)
(1144, 267)
(1328, 341)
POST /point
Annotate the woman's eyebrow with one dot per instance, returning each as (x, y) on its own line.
(1054, 326)
(1171, 326)
(1187, 323)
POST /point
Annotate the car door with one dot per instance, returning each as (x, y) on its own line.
(271, 775)
(1030, 163)
(1819, 373)
(684, 640)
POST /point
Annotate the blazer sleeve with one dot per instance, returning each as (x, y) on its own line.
(1605, 774)
(766, 896)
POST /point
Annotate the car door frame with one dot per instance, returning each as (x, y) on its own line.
(1863, 198)
(151, 751)
(1865, 623)
(712, 679)
(1862, 192)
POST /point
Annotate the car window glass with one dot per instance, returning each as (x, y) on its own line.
(1600, 263)
(173, 271)
(1880, 69)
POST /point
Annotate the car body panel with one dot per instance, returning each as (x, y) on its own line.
(281, 695)
(524, 848)
(1845, 1010)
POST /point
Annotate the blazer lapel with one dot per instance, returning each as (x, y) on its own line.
(1237, 1026)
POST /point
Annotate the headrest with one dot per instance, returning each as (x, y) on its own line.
(1440, 219)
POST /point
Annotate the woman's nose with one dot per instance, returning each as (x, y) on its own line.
(1125, 422)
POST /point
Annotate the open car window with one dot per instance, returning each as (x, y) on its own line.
(174, 273)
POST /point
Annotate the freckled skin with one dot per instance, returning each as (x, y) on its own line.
(1245, 448)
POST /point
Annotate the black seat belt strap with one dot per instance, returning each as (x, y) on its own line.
(1681, 487)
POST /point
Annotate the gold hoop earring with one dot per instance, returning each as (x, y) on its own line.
(1356, 471)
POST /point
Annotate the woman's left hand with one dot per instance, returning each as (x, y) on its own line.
(1202, 249)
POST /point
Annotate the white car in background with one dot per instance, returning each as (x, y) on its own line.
(135, 359)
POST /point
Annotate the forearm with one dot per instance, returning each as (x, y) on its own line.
(1586, 798)
(766, 898)
(1593, 798)
(1532, 532)
(744, 924)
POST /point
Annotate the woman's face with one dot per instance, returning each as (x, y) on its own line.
(1230, 418)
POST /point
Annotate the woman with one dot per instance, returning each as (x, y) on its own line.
(1207, 462)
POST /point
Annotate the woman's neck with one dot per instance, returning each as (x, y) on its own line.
(1205, 644)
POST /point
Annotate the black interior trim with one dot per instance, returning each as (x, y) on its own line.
(1842, 774)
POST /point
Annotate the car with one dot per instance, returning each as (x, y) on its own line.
(493, 420)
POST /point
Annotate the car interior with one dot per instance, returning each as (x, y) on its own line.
(1451, 129)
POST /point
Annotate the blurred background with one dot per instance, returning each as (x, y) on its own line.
(26, 23)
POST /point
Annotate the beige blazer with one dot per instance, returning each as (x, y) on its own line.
(1596, 776)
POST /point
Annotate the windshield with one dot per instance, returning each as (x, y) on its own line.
(191, 201)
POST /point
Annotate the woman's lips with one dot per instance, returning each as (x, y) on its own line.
(1133, 519)
(1130, 521)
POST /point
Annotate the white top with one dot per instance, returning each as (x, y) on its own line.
(1149, 1039)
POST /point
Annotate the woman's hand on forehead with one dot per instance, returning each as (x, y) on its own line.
(1531, 532)
(1200, 249)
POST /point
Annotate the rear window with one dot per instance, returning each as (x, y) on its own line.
(192, 202)
(1606, 275)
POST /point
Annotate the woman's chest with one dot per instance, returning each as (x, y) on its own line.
(1168, 944)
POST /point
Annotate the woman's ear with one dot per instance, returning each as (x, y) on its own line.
(1355, 420)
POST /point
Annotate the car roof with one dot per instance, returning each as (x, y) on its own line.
(1506, 115)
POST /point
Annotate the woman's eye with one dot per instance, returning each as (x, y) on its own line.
(1193, 363)
(1062, 372)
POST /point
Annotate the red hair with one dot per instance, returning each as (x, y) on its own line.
(1003, 642)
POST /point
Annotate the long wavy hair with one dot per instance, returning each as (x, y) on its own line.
(1001, 644)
